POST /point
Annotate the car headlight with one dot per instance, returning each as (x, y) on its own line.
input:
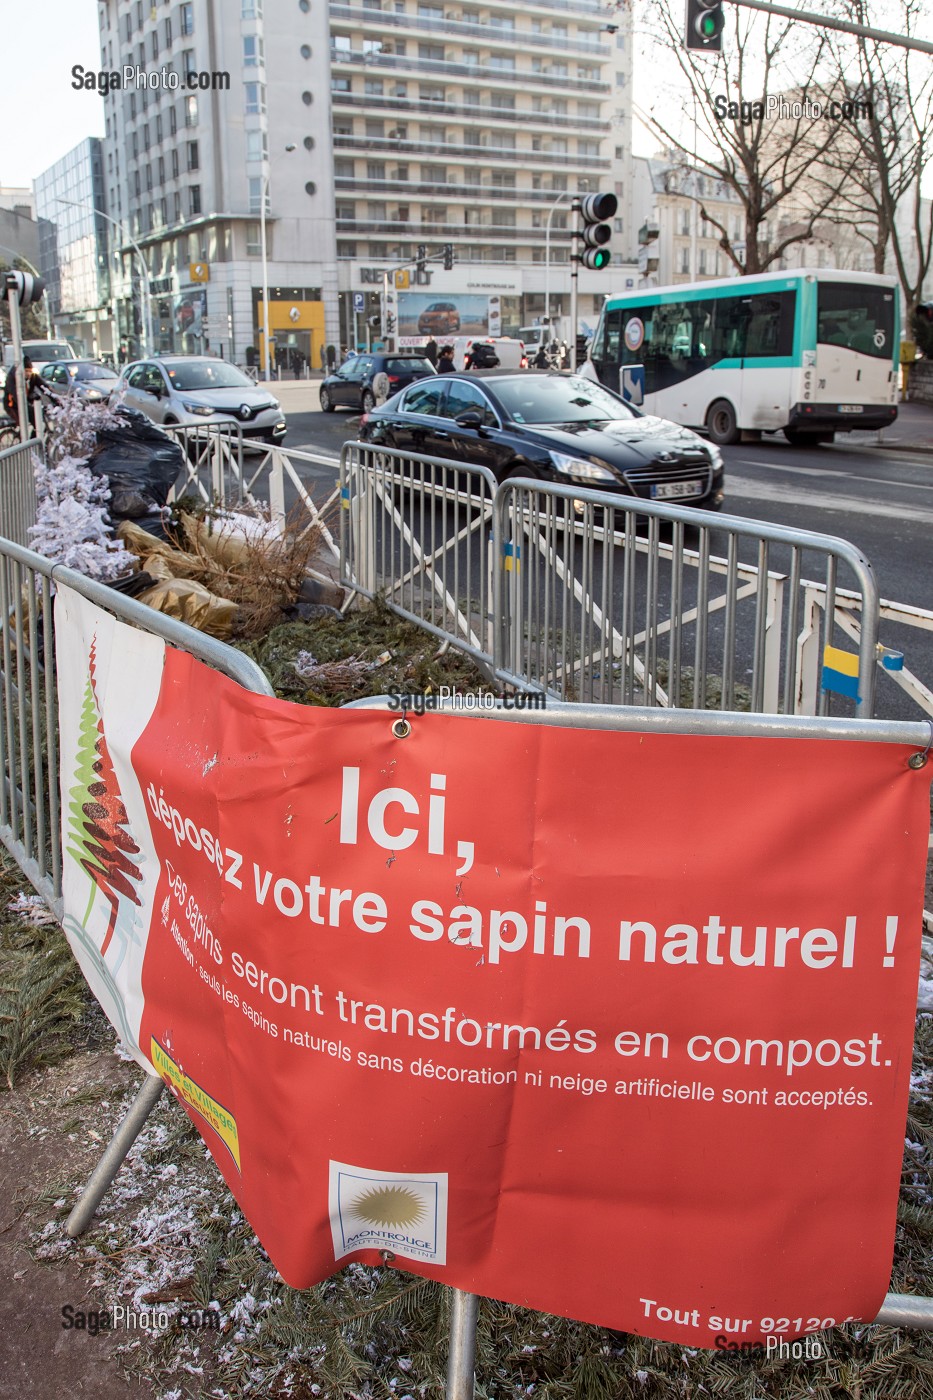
(93, 396)
(579, 469)
(201, 408)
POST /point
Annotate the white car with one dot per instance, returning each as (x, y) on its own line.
(41, 353)
(198, 389)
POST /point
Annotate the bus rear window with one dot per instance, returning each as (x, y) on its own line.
(856, 317)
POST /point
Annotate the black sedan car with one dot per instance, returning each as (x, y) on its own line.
(555, 426)
(87, 380)
(351, 386)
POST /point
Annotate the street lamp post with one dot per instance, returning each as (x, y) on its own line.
(266, 335)
(547, 257)
(147, 288)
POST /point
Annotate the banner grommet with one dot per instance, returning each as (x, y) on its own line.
(401, 728)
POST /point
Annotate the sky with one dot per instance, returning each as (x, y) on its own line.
(41, 117)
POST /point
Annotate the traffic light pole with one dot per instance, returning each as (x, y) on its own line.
(574, 278)
(16, 335)
(846, 26)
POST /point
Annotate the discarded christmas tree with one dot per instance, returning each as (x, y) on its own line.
(100, 840)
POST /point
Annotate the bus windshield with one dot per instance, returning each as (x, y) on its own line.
(856, 317)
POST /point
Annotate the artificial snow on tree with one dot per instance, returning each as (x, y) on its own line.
(71, 518)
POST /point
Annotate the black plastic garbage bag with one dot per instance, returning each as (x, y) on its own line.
(141, 464)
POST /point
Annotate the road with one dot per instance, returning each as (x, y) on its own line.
(879, 499)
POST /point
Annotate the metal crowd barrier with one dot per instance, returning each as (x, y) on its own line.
(415, 530)
(592, 605)
(18, 489)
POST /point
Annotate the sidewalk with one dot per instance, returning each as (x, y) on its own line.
(911, 431)
(297, 395)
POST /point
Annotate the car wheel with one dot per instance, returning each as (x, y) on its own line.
(369, 401)
(721, 423)
(327, 405)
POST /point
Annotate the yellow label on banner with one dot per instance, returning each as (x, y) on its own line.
(213, 1113)
(199, 272)
(402, 279)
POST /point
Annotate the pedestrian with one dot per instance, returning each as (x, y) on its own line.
(541, 360)
(431, 351)
(445, 360)
(323, 358)
(346, 353)
(11, 396)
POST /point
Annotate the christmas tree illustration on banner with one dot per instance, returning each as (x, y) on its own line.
(100, 839)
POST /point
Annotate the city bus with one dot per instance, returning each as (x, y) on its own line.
(809, 353)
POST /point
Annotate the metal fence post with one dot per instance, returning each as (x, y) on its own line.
(114, 1156)
(461, 1359)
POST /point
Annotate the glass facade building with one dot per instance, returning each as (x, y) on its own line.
(73, 247)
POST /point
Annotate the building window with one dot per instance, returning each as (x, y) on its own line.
(194, 199)
(345, 210)
(174, 163)
(186, 18)
(343, 168)
(346, 250)
(191, 111)
(373, 87)
(255, 98)
(256, 146)
(155, 45)
(340, 83)
(168, 31)
(253, 241)
(434, 53)
(161, 170)
(252, 51)
(172, 121)
(254, 185)
(193, 163)
(251, 9)
(177, 207)
(375, 170)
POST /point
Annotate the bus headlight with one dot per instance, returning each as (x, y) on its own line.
(580, 470)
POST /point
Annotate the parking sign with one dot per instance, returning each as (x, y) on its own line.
(359, 301)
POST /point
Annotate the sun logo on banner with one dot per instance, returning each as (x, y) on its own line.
(389, 1205)
(99, 826)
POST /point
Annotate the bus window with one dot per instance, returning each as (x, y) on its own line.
(858, 317)
(729, 320)
(769, 329)
(613, 335)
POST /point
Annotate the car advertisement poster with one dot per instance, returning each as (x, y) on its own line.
(610, 1024)
(424, 314)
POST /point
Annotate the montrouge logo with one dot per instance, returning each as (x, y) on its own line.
(406, 1215)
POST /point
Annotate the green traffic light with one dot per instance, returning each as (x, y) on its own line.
(602, 258)
(709, 27)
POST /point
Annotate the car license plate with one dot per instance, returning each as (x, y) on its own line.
(676, 490)
(849, 408)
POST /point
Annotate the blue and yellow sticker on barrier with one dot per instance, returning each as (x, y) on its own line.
(840, 672)
(512, 557)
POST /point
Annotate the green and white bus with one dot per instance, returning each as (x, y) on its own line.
(810, 353)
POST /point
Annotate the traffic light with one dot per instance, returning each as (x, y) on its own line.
(704, 25)
(422, 255)
(594, 209)
(448, 256)
(390, 323)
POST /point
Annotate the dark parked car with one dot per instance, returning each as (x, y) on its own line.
(351, 386)
(87, 380)
(559, 427)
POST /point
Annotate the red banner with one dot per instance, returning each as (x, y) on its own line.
(613, 1025)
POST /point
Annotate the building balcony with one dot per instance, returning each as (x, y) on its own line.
(438, 193)
(443, 68)
(488, 232)
(471, 113)
(465, 29)
(485, 155)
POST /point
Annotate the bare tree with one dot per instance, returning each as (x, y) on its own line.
(882, 201)
(761, 151)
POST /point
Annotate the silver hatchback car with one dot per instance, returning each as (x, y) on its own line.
(198, 389)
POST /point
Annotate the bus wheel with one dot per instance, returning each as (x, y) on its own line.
(721, 423)
(798, 438)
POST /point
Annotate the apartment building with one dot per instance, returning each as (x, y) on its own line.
(675, 243)
(363, 131)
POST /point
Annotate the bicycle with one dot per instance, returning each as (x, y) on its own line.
(9, 433)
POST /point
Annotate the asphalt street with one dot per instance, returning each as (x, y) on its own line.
(878, 498)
